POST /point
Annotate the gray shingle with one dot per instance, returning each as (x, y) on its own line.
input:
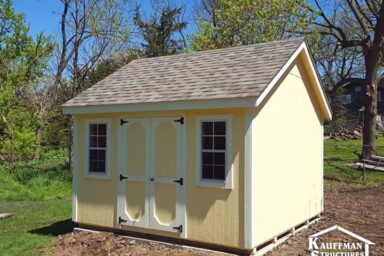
(216, 74)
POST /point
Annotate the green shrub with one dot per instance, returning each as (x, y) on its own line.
(46, 179)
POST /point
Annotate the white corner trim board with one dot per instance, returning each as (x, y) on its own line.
(249, 170)
(74, 166)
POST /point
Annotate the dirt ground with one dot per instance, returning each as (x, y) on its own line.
(358, 210)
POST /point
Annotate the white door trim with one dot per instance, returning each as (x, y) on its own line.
(150, 220)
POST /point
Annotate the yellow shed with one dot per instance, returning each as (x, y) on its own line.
(221, 148)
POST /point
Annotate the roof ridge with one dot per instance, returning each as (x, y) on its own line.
(298, 39)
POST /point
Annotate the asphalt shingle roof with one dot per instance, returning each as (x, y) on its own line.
(235, 72)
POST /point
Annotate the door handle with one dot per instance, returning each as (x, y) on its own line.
(180, 181)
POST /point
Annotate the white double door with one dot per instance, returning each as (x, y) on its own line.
(151, 177)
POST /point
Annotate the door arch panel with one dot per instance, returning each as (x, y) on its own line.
(133, 192)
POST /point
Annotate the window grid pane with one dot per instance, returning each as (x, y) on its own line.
(213, 148)
(97, 148)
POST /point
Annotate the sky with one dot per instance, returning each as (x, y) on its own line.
(41, 15)
(44, 15)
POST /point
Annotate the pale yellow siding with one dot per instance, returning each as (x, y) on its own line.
(213, 215)
(287, 135)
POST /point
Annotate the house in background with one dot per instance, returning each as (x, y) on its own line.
(353, 100)
(203, 148)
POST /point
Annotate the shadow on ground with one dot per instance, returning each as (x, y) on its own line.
(55, 229)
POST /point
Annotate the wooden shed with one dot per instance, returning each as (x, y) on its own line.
(221, 147)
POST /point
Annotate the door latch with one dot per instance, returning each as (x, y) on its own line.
(123, 177)
(180, 181)
(179, 228)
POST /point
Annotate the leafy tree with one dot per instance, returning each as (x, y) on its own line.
(90, 31)
(22, 62)
(227, 23)
(159, 33)
(358, 27)
(333, 67)
(57, 129)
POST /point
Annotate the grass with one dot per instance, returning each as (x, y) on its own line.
(38, 196)
(33, 225)
(339, 154)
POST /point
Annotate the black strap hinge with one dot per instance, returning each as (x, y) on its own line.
(179, 228)
(122, 121)
(180, 120)
(123, 177)
(121, 220)
(180, 181)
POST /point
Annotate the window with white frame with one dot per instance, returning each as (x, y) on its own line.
(97, 151)
(213, 150)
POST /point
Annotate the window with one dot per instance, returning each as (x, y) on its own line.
(357, 89)
(213, 145)
(97, 145)
(213, 151)
(348, 99)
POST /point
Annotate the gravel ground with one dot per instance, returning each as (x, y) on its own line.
(359, 210)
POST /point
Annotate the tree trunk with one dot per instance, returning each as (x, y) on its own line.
(12, 157)
(39, 138)
(369, 128)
